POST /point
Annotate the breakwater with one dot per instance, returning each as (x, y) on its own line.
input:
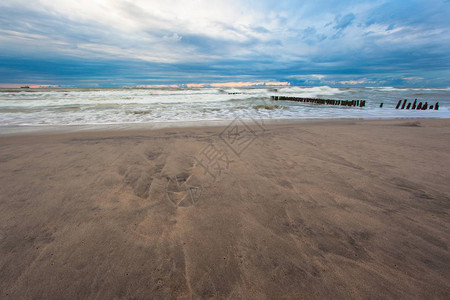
(356, 103)
(404, 104)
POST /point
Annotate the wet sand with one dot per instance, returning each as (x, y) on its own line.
(342, 209)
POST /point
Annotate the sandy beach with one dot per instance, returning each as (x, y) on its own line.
(326, 209)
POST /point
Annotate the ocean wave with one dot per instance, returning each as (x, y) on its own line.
(139, 112)
(118, 106)
(269, 106)
(311, 92)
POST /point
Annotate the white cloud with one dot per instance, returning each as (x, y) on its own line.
(413, 78)
(352, 82)
(320, 77)
(296, 37)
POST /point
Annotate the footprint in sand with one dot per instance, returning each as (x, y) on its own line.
(180, 193)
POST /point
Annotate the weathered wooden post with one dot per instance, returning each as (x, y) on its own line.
(404, 103)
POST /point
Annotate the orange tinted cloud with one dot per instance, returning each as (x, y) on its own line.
(157, 86)
(238, 84)
(42, 86)
(248, 84)
(9, 86)
(195, 85)
(34, 86)
(217, 84)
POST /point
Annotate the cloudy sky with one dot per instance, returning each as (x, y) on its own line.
(115, 43)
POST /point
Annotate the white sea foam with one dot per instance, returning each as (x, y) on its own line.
(58, 107)
(312, 92)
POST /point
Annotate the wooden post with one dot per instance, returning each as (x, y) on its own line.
(404, 103)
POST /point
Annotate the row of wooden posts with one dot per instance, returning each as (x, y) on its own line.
(360, 103)
(402, 104)
(414, 105)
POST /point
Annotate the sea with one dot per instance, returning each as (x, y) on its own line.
(25, 110)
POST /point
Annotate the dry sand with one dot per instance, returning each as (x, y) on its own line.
(343, 209)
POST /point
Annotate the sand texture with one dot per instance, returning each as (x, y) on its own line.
(343, 209)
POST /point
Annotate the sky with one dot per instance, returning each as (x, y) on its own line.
(124, 43)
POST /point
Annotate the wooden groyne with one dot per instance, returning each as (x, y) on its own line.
(403, 104)
(358, 103)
